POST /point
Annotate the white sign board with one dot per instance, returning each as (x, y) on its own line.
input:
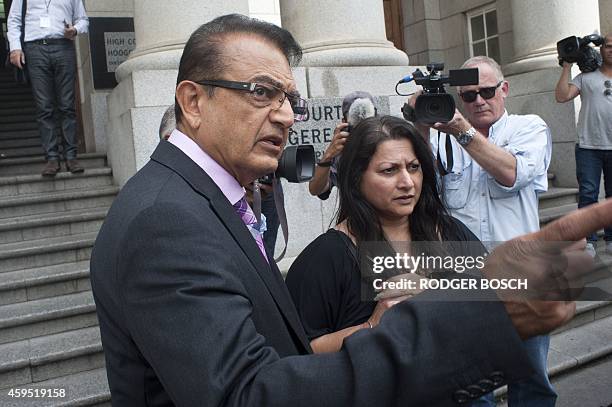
(118, 47)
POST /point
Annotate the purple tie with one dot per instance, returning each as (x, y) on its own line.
(248, 217)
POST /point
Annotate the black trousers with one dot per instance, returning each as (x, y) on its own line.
(52, 69)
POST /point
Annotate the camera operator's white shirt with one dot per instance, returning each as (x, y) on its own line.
(595, 118)
(490, 210)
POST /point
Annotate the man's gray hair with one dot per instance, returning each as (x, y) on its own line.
(481, 59)
(168, 123)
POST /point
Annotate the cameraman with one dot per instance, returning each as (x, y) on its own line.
(492, 168)
(594, 147)
(324, 177)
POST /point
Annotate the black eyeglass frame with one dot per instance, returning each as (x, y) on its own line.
(298, 104)
(491, 89)
(608, 87)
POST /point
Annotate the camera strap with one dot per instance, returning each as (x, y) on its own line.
(257, 201)
(279, 203)
(449, 156)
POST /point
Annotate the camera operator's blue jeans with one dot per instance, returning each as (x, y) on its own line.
(589, 166)
(535, 391)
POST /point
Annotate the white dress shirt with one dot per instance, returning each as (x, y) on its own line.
(57, 11)
(493, 212)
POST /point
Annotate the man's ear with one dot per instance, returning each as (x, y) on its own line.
(187, 96)
(505, 88)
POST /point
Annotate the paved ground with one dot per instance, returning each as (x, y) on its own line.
(589, 387)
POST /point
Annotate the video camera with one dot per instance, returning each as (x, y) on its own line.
(295, 165)
(434, 104)
(576, 49)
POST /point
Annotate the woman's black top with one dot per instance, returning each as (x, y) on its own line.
(325, 283)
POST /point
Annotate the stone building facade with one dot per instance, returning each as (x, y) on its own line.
(349, 44)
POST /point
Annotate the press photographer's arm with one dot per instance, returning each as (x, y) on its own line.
(565, 91)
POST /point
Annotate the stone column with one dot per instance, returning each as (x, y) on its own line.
(341, 32)
(148, 78)
(605, 16)
(538, 25)
(534, 71)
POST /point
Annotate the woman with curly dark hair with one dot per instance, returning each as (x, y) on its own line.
(388, 193)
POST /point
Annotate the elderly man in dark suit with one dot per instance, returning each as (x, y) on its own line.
(193, 313)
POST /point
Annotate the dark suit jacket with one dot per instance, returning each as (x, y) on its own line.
(191, 315)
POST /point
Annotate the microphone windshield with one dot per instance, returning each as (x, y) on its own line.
(361, 108)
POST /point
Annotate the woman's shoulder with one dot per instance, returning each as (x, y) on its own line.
(332, 242)
(329, 251)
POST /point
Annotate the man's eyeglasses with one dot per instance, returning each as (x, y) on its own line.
(608, 90)
(486, 93)
(264, 94)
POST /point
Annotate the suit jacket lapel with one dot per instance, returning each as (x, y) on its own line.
(173, 158)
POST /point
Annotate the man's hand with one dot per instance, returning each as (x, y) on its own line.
(337, 144)
(69, 31)
(17, 58)
(457, 125)
(554, 265)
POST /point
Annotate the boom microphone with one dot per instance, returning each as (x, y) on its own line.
(361, 108)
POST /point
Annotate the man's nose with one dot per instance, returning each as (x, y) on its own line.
(283, 115)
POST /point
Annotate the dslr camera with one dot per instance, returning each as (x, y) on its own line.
(576, 49)
(295, 165)
(434, 104)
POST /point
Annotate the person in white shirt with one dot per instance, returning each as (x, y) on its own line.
(594, 147)
(492, 176)
(48, 53)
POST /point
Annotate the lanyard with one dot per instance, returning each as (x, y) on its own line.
(47, 4)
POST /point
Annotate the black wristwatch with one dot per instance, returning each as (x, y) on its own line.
(325, 163)
(408, 112)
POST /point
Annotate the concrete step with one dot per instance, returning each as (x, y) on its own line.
(46, 252)
(8, 82)
(34, 184)
(34, 165)
(15, 90)
(20, 117)
(575, 347)
(587, 312)
(19, 143)
(15, 104)
(8, 111)
(556, 196)
(587, 386)
(51, 202)
(44, 282)
(16, 94)
(22, 152)
(39, 226)
(47, 316)
(81, 389)
(51, 356)
(19, 134)
(549, 214)
(28, 125)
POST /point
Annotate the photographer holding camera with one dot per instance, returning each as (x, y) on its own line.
(356, 106)
(594, 147)
(492, 169)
